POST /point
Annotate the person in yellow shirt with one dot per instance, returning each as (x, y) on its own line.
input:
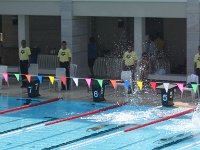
(64, 56)
(197, 63)
(24, 54)
(130, 60)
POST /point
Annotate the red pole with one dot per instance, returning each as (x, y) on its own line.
(28, 106)
(86, 114)
(160, 120)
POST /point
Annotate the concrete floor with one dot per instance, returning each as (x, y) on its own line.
(81, 93)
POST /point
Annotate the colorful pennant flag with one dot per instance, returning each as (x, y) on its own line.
(5, 75)
(113, 83)
(139, 83)
(166, 86)
(40, 79)
(180, 86)
(17, 76)
(88, 80)
(127, 83)
(153, 85)
(100, 82)
(194, 87)
(28, 76)
(75, 81)
(51, 78)
(63, 79)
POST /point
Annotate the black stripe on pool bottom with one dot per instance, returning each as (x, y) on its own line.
(176, 141)
(85, 137)
(26, 126)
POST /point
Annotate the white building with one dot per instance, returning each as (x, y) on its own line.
(48, 22)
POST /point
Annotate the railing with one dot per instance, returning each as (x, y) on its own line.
(108, 67)
(48, 61)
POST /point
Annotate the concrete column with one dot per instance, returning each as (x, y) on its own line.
(139, 35)
(193, 31)
(23, 29)
(66, 22)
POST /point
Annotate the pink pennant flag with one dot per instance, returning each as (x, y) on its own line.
(153, 85)
(113, 83)
(63, 79)
(180, 86)
(88, 80)
(28, 77)
(5, 75)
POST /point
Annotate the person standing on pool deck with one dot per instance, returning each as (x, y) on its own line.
(64, 56)
(197, 63)
(24, 54)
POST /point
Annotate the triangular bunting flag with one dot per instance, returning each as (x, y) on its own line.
(100, 82)
(88, 80)
(63, 79)
(127, 83)
(75, 81)
(51, 78)
(180, 86)
(194, 87)
(166, 86)
(139, 83)
(113, 83)
(28, 77)
(5, 75)
(40, 79)
(153, 85)
(17, 76)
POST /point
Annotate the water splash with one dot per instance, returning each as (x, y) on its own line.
(196, 118)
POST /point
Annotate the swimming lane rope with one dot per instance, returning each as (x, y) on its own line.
(29, 106)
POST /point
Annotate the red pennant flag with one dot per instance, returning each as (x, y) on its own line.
(153, 85)
(28, 77)
(63, 79)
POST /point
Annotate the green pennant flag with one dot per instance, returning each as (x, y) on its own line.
(17, 76)
(100, 82)
(194, 87)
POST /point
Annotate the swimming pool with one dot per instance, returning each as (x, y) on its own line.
(26, 129)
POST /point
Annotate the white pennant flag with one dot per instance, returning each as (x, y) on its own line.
(76, 81)
(166, 86)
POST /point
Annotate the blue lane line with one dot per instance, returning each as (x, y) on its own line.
(176, 141)
(11, 121)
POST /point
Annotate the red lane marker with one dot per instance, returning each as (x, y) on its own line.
(86, 114)
(160, 120)
(30, 105)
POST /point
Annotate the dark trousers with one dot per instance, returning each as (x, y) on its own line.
(66, 65)
(23, 70)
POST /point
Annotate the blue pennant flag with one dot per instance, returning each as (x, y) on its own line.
(40, 79)
(127, 83)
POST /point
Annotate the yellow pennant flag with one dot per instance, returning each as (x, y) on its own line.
(51, 78)
(139, 83)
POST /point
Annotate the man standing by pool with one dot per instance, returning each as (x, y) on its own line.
(64, 56)
(197, 63)
(24, 54)
(130, 60)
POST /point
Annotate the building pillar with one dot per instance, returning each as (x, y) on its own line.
(23, 29)
(139, 35)
(66, 22)
(193, 32)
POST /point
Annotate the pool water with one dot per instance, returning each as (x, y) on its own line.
(24, 129)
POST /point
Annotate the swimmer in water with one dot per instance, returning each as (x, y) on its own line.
(96, 128)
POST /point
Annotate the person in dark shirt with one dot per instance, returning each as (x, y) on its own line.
(34, 54)
(92, 54)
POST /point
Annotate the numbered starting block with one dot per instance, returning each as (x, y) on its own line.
(98, 91)
(167, 97)
(33, 88)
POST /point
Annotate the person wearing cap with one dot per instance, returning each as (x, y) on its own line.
(64, 56)
(24, 54)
